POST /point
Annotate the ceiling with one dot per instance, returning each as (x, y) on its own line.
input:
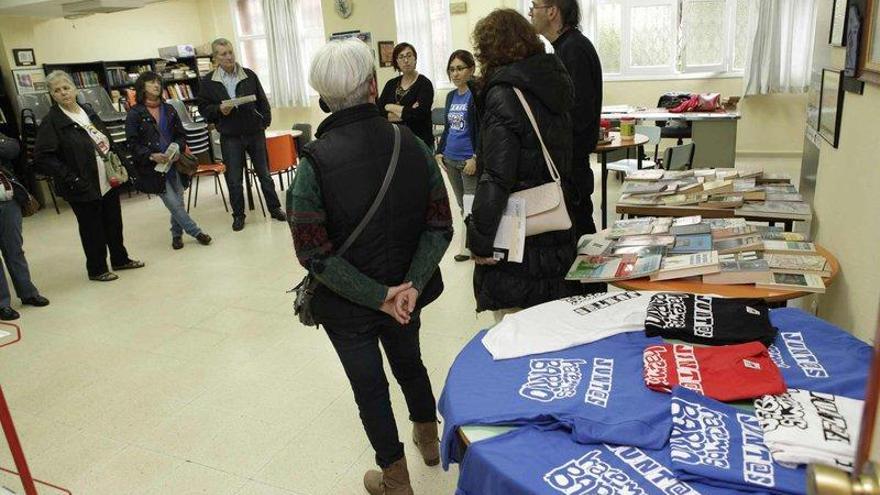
(40, 8)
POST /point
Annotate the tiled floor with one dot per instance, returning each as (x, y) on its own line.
(191, 375)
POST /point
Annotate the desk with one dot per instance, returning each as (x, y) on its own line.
(602, 150)
(745, 291)
(714, 133)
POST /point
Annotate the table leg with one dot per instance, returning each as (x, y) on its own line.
(15, 448)
(789, 225)
(604, 190)
(639, 158)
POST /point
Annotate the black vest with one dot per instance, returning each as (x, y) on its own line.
(350, 160)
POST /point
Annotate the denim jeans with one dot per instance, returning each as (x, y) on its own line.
(13, 255)
(234, 148)
(358, 348)
(173, 199)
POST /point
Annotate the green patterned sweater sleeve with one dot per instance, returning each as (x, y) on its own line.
(438, 233)
(314, 250)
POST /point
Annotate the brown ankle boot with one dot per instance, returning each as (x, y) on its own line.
(425, 438)
(393, 480)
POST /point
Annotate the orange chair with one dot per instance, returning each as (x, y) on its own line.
(281, 150)
(214, 169)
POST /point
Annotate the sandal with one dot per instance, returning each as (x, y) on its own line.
(132, 264)
(104, 277)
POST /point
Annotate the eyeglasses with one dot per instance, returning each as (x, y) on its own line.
(408, 56)
(458, 68)
(533, 6)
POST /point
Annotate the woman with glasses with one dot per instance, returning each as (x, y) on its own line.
(408, 97)
(456, 152)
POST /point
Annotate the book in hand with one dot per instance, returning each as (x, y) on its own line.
(694, 243)
(728, 245)
(687, 265)
(590, 269)
(645, 174)
(806, 282)
(799, 263)
(747, 267)
(241, 100)
(789, 247)
(793, 210)
(697, 228)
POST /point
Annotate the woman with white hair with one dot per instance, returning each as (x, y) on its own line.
(71, 146)
(375, 290)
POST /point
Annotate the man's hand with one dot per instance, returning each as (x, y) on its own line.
(485, 261)
(390, 306)
(470, 166)
(159, 157)
(226, 107)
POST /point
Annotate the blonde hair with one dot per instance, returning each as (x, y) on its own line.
(56, 75)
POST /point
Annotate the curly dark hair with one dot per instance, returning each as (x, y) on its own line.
(140, 90)
(399, 48)
(502, 37)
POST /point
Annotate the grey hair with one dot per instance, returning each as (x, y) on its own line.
(342, 72)
(56, 75)
(218, 43)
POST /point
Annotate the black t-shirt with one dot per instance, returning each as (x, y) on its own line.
(702, 319)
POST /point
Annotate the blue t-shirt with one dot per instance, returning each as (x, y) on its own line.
(458, 138)
(720, 445)
(532, 460)
(813, 354)
(595, 390)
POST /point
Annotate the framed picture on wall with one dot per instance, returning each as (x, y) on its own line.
(837, 35)
(869, 52)
(831, 105)
(29, 81)
(24, 57)
(386, 52)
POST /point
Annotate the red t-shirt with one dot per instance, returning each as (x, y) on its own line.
(725, 373)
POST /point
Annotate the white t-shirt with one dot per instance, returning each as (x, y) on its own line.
(568, 322)
(803, 426)
(82, 118)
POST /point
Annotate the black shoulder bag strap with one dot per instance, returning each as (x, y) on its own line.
(306, 289)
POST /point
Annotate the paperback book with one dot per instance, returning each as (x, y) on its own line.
(799, 263)
(789, 247)
(792, 210)
(747, 267)
(687, 265)
(737, 244)
(687, 244)
(806, 282)
(591, 269)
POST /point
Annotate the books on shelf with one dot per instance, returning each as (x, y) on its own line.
(694, 243)
(789, 247)
(737, 244)
(178, 91)
(85, 79)
(806, 282)
(789, 210)
(590, 269)
(798, 263)
(687, 265)
(747, 267)
(203, 65)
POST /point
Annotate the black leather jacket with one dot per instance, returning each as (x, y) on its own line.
(510, 159)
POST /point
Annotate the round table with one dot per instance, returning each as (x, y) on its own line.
(696, 286)
(616, 144)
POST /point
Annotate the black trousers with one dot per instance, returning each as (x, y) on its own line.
(582, 180)
(233, 149)
(100, 229)
(358, 349)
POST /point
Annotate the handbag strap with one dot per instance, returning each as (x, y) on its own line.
(379, 197)
(554, 173)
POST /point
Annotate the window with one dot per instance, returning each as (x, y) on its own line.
(425, 24)
(636, 38)
(251, 32)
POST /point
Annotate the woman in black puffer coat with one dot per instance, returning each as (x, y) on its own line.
(510, 159)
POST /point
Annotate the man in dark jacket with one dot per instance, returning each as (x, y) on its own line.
(242, 127)
(374, 291)
(558, 20)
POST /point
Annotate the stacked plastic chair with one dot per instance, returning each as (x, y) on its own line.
(34, 108)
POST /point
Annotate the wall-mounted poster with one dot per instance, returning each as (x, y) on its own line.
(29, 81)
(386, 53)
(831, 108)
(837, 36)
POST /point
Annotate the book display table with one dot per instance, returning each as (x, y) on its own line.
(602, 150)
(696, 286)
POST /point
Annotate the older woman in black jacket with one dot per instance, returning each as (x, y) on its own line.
(70, 147)
(510, 159)
(156, 138)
